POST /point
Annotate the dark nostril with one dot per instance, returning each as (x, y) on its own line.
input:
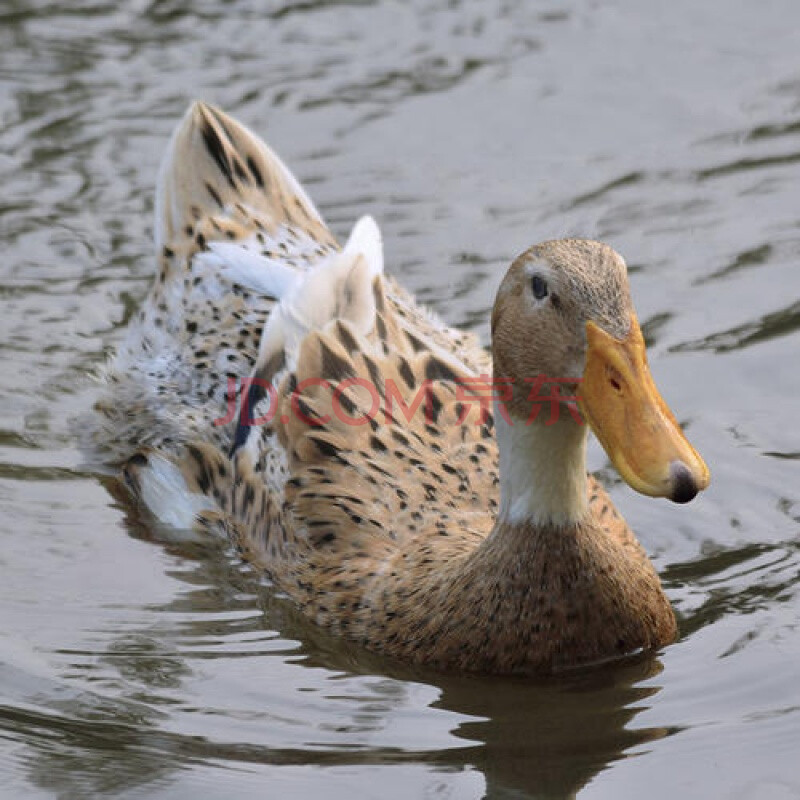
(614, 378)
(684, 487)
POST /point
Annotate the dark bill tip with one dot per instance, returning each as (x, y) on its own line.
(684, 487)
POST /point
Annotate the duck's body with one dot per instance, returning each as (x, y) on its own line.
(405, 530)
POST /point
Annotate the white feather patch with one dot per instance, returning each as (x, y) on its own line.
(338, 287)
(163, 490)
(253, 271)
(542, 470)
(365, 238)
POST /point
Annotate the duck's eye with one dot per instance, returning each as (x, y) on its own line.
(539, 287)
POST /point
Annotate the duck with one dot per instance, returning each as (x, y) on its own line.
(405, 489)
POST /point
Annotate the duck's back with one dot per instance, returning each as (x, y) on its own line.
(234, 232)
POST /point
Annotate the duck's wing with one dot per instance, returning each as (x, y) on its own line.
(234, 231)
(393, 445)
(384, 439)
(337, 288)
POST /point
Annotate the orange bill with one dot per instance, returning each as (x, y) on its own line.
(621, 403)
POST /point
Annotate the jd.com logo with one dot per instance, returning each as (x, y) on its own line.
(482, 391)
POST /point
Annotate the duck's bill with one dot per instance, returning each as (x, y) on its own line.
(621, 403)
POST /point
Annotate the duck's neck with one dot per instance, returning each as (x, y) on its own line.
(542, 471)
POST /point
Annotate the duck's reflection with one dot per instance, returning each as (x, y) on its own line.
(544, 738)
(550, 739)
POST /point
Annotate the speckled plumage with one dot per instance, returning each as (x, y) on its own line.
(385, 531)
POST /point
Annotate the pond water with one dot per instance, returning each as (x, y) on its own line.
(134, 668)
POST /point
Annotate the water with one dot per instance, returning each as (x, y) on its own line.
(137, 669)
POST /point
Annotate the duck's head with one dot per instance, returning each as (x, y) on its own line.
(564, 311)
